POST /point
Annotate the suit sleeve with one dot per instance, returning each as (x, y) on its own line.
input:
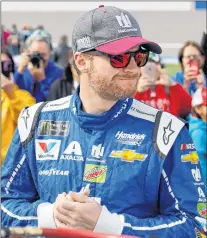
(178, 199)
(20, 201)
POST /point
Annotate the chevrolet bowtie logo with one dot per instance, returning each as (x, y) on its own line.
(191, 157)
(128, 155)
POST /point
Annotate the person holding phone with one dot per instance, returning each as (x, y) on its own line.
(13, 100)
(191, 58)
(157, 89)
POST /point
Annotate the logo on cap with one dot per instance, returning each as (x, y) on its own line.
(123, 20)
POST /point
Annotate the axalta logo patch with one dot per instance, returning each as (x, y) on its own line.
(72, 152)
(129, 138)
(128, 155)
(191, 157)
(95, 173)
(47, 149)
(187, 147)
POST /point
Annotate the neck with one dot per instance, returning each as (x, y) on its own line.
(92, 103)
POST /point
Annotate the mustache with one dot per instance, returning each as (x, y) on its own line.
(127, 76)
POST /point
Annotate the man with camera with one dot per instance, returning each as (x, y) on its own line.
(35, 72)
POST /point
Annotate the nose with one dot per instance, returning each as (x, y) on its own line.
(132, 66)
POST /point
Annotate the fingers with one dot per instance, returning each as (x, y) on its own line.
(59, 224)
(61, 218)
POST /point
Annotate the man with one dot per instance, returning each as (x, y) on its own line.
(102, 138)
(35, 72)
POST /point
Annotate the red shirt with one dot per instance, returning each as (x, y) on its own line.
(6, 35)
(174, 99)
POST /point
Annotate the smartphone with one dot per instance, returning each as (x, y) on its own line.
(194, 62)
(6, 68)
(151, 70)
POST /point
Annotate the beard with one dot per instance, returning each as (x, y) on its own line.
(119, 87)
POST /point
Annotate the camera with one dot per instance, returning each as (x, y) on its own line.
(7, 68)
(35, 59)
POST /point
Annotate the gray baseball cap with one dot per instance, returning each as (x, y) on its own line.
(110, 30)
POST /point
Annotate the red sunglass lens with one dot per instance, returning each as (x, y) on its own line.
(119, 61)
(141, 58)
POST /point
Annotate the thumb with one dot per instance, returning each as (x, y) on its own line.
(78, 197)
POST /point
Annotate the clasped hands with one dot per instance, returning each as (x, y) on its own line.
(76, 211)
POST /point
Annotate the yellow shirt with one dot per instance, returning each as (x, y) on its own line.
(11, 106)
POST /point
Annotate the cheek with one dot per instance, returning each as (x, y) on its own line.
(185, 62)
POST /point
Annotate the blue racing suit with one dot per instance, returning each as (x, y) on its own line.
(140, 163)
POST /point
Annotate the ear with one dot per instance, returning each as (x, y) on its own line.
(197, 109)
(81, 62)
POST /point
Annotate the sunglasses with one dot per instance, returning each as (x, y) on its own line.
(120, 61)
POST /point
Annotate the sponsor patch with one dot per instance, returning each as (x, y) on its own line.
(95, 173)
(53, 128)
(197, 176)
(191, 157)
(202, 209)
(202, 196)
(72, 152)
(128, 155)
(53, 172)
(47, 149)
(129, 138)
(187, 147)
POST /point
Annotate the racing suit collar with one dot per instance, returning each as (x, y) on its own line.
(95, 121)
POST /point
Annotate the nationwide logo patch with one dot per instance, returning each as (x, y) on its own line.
(47, 149)
(191, 157)
(128, 155)
(53, 128)
(95, 173)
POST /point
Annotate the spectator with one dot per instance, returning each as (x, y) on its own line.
(35, 72)
(66, 86)
(157, 89)
(191, 59)
(13, 100)
(14, 41)
(124, 149)
(24, 33)
(4, 37)
(197, 127)
(63, 52)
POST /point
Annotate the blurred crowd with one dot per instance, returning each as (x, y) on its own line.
(44, 72)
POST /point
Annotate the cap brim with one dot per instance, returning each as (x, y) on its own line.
(123, 45)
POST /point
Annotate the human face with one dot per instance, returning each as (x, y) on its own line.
(191, 52)
(41, 47)
(113, 83)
